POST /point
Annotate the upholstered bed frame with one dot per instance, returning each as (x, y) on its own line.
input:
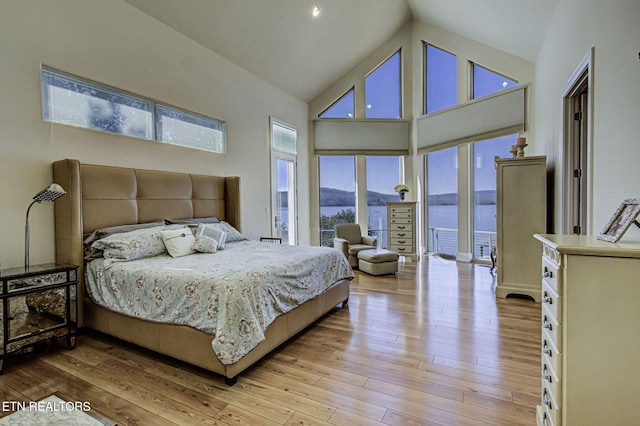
(104, 196)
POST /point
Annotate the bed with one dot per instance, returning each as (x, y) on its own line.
(101, 197)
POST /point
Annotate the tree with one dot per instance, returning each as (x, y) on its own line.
(327, 224)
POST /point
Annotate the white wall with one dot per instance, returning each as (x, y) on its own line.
(611, 28)
(113, 43)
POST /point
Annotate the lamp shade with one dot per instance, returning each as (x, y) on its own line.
(51, 193)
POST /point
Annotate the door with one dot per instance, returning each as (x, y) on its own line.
(284, 201)
(577, 124)
(284, 207)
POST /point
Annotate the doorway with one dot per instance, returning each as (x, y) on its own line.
(577, 122)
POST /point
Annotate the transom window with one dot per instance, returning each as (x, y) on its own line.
(441, 86)
(74, 101)
(486, 82)
(382, 90)
(342, 108)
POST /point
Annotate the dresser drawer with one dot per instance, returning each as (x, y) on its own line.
(39, 281)
(551, 408)
(401, 249)
(542, 418)
(552, 326)
(401, 227)
(401, 220)
(551, 380)
(401, 233)
(550, 274)
(403, 242)
(401, 210)
(551, 355)
(551, 300)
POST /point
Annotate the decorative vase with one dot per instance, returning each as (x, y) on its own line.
(401, 193)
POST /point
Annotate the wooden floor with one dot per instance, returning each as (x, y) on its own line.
(429, 346)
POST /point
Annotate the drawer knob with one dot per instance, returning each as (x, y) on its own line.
(545, 400)
(547, 273)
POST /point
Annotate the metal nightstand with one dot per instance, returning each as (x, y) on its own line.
(38, 303)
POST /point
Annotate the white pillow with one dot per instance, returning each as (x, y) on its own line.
(179, 242)
(209, 231)
(205, 244)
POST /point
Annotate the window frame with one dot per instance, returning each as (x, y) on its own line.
(153, 122)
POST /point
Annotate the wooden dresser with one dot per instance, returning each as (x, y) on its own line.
(521, 211)
(590, 331)
(401, 235)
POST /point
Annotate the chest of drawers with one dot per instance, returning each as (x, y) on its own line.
(401, 235)
(590, 369)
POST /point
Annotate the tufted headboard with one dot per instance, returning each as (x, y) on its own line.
(103, 196)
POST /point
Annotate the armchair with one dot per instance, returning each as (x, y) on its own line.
(350, 241)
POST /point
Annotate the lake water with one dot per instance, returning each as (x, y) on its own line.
(439, 216)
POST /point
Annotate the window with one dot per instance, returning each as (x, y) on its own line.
(74, 101)
(486, 82)
(383, 90)
(69, 100)
(442, 189)
(342, 108)
(383, 173)
(441, 86)
(343, 182)
(184, 128)
(337, 194)
(484, 192)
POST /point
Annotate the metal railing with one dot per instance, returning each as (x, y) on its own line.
(444, 241)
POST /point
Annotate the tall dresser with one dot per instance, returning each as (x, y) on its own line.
(590, 331)
(401, 235)
(521, 211)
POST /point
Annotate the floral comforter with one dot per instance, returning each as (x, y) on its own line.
(233, 294)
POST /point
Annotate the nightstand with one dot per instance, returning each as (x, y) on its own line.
(38, 303)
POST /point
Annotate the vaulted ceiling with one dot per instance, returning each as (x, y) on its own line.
(281, 42)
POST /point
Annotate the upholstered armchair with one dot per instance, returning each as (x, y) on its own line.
(350, 241)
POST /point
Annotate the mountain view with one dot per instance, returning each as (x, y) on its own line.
(337, 197)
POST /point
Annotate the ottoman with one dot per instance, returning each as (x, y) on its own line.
(378, 262)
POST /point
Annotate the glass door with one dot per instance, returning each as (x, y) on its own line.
(284, 200)
(284, 207)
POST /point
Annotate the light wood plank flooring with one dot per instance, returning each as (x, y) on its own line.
(429, 346)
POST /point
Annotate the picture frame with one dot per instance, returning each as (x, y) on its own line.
(622, 218)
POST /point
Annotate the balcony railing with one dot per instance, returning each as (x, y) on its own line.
(443, 241)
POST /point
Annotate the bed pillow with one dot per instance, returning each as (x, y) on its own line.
(138, 244)
(211, 231)
(232, 233)
(193, 220)
(105, 232)
(205, 244)
(179, 242)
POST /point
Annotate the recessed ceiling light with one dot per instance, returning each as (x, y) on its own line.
(316, 11)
